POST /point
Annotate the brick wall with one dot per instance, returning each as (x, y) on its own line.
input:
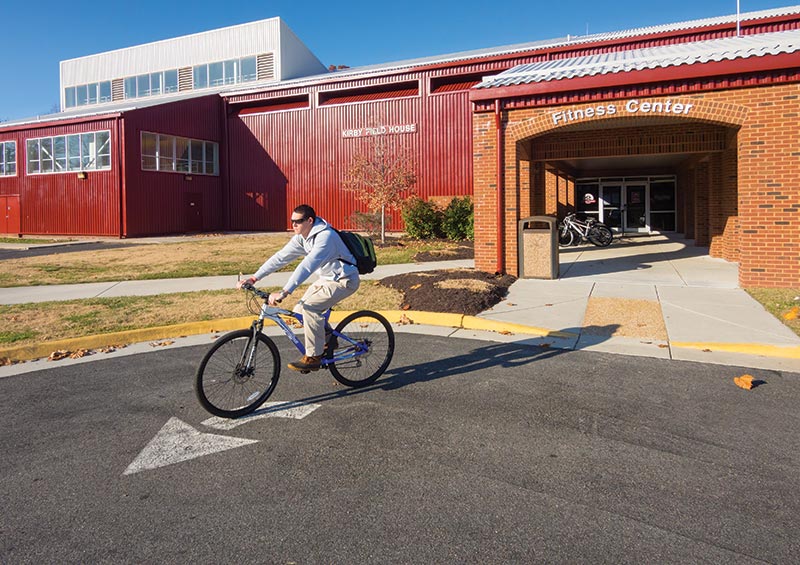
(740, 195)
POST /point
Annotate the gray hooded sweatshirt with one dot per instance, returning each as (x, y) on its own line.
(323, 250)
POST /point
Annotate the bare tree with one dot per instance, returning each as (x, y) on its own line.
(381, 176)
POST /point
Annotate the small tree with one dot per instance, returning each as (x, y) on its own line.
(380, 177)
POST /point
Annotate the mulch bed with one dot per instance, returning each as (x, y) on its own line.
(458, 291)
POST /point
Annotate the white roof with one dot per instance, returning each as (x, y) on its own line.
(724, 49)
(370, 70)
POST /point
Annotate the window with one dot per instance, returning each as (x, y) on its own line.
(86, 94)
(155, 84)
(130, 87)
(171, 81)
(249, 72)
(215, 74)
(179, 154)
(69, 97)
(220, 73)
(105, 91)
(151, 84)
(200, 76)
(8, 158)
(65, 153)
(83, 95)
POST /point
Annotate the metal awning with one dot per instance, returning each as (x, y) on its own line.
(714, 50)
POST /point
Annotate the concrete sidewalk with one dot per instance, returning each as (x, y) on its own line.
(706, 317)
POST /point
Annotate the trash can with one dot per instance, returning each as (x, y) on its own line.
(538, 247)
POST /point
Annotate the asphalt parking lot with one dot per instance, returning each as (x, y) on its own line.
(465, 451)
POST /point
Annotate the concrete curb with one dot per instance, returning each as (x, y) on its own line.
(402, 317)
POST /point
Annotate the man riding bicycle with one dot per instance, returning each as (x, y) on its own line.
(324, 252)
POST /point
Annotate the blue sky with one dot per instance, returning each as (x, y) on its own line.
(37, 35)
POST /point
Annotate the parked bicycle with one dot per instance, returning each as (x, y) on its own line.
(573, 231)
(241, 369)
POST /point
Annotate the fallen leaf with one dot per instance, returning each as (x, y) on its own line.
(80, 353)
(59, 354)
(745, 382)
(505, 332)
(406, 306)
(548, 304)
(405, 320)
(5, 361)
(510, 304)
(706, 351)
(161, 343)
(415, 286)
(664, 345)
(792, 313)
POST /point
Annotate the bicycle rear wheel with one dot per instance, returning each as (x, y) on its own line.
(365, 349)
(600, 235)
(237, 376)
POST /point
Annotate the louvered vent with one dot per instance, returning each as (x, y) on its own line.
(265, 66)
(185, 81)
(117, 89)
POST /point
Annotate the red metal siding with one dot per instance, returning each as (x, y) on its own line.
(159, 202)
(281, 159)
(61, 203)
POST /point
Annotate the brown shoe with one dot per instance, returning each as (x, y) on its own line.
(306, 364)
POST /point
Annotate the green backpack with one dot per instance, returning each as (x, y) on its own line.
(362, 249)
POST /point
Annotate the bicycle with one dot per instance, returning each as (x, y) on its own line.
(572, 231)
(241, 370)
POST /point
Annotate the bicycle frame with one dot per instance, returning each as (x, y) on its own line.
(579, 227)
(275, 314)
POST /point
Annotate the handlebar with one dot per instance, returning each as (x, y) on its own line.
(254, 290)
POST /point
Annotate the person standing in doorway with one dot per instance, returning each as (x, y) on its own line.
(325, 253)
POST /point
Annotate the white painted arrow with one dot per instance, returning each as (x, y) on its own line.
(177, 442)
(270, 410)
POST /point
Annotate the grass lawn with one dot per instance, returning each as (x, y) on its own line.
(191, 257)
(783, 303)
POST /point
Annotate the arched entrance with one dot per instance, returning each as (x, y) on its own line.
(643, 172)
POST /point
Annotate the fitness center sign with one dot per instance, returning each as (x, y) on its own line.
(634, 106)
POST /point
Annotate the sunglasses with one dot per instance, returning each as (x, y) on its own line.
(297, 222)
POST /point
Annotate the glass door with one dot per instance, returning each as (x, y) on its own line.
(611, 201)
(635, 207)
(662, 205)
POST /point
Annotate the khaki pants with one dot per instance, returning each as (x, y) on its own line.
(318, 299)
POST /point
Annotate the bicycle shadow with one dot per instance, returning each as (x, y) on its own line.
(494, 355)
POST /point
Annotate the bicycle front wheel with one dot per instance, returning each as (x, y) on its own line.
(238, 374)
(565, 236)
(364, 350)
(600, 235)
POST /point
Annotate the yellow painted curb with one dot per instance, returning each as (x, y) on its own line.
(401, 317)
(40, 350)
(787, 352)
(414, 317)
(475, 323)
